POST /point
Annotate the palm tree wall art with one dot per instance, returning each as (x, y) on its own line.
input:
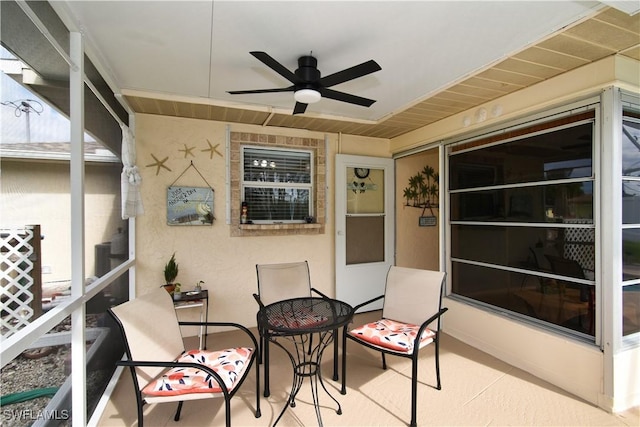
(423, 190)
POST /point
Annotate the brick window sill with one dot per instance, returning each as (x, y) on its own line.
(278, 229)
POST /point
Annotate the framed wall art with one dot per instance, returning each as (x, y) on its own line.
(189, 205)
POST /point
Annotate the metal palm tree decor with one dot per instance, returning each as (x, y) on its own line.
(423, 190)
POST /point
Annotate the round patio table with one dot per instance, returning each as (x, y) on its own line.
(297, 320)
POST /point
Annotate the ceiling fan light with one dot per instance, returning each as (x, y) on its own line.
(307, 96)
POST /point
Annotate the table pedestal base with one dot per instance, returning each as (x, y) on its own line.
(306, 361)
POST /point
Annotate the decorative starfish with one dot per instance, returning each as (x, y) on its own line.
(187, 151)
(212, 149)
(159, 164)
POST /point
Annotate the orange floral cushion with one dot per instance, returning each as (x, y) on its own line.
(229, 364)
(393, 335)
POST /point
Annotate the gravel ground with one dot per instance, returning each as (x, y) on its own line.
(23, 374)
(27, 372)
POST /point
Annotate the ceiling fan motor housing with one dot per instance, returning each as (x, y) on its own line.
(308, 72)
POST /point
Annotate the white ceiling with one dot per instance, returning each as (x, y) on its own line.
(196, 51)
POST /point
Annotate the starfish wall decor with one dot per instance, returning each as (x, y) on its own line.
(187, 151)
(212, 149)
(159, 164)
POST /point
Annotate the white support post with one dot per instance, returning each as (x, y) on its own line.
(611, 240)
(132, 231)
(443, 213)
(78, 349)
(227, 162)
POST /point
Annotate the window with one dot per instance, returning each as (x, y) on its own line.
(268, 199)
(277, 185)
(631, 222)
(522, 222)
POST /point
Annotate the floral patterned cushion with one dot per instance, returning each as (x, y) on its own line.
(229, 364)
(393, 335)
(301, 318)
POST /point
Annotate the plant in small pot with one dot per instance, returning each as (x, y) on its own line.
(170, 274)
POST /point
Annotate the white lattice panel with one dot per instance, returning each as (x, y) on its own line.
(16, 279)
(579, 244)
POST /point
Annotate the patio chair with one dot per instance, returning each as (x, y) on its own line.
(572, 268)
(163, 371)
(410, 321)
(277, 282)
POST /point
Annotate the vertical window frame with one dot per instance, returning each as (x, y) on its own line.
(629, 114)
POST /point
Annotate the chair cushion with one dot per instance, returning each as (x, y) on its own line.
(393, 335)
(230, 364)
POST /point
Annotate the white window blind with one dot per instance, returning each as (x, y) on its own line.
(277, 184)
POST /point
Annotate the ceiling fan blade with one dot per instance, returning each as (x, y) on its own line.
(276, 66)
(299, 108)
(346, 97)
(354, 72)
(283, 89)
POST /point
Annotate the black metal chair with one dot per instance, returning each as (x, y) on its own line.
(571, 268)
(163, 371)
(410, 321)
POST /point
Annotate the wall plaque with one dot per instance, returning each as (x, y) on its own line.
(427, 221)
(189, 206)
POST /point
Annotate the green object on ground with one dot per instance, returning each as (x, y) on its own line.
(23, 396)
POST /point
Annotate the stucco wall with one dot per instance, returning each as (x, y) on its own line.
(416, 246)
(37, 192)
(226, 264)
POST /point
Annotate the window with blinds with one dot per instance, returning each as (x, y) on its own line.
(277, 185)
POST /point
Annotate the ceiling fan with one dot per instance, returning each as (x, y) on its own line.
(309, 87)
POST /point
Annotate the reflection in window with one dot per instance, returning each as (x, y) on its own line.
(631, 254)
(523, 236)
(538, 203)
(631, 147)
(561, 302)
(630, 309)
(508, 250)
(631, 223)
(630, 202)
(555, 154)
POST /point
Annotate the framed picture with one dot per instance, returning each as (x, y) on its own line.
(190, 206)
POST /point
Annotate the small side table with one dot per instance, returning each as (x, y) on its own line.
(195, 300)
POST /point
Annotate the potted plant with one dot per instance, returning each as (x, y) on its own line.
(198, 287)
(170, 273)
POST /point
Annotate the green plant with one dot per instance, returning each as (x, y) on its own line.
(171, 269)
